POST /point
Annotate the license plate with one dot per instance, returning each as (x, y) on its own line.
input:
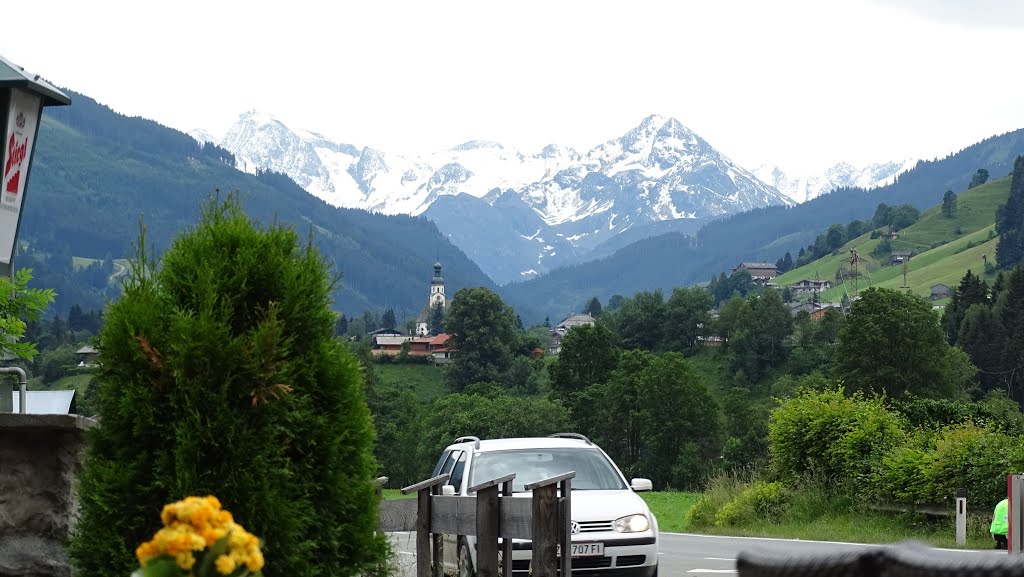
(587, 549)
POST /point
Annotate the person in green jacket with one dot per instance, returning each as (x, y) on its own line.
(1000, 524)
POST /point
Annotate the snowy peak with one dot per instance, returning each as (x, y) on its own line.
(659, 170)
(802, 188)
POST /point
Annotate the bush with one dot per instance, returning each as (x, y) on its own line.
(757, 502)
(721, 491)
(219, 376)
(934, 465)
(840, 439)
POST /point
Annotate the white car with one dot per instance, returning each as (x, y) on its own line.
(614, 533)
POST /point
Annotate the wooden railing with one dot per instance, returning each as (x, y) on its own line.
(494, 516)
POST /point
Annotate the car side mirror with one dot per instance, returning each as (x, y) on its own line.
(639, 484)
(449, 489)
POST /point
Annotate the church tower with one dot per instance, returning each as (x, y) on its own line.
(436, 287)
(436, 296)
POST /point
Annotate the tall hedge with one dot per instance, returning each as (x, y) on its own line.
(219, 376)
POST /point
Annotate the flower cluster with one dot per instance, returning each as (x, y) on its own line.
(199, 538)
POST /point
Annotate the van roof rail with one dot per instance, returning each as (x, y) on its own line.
(467, 439)
(572, 436)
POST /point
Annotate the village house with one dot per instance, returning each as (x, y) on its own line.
(429, 346)
(807, 287)
(816, 310)
(940, 291)
(565, 326)
(88, 356)
(900, 256)
(760, 272)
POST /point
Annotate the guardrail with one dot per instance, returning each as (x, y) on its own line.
(904, 560)
(494, 516)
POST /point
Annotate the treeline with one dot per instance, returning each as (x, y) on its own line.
(674, 388)
(892, 218)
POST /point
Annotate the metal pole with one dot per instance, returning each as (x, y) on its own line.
(1015, 514)
(22, 385)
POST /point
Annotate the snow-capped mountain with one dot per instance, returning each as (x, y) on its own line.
(802, 188)
(549, 207)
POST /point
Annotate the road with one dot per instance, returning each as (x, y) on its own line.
(684, 554)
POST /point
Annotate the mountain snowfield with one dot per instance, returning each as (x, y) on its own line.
(522, 213)
(841, 175)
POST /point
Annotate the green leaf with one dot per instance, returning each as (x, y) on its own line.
(207, 566)
(162, 566)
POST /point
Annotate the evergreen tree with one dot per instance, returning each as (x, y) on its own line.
(972, 290)
(949, 204)
(388, 321)
(1010, 221)
(980, 177)
(593, 307)
(220, 376)
(787, 262)
(435, 324)
(341, 325)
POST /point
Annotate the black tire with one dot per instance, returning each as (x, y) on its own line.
(465, 561)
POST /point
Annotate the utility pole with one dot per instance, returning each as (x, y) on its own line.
(854, 272)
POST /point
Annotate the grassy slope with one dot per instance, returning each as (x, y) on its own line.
(426, 380)
(946, 263)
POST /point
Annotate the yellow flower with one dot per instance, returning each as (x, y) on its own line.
(255, 561)
(185, 560)
(194, 524)
(225, 564)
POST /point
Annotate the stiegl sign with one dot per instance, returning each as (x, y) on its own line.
(22, 124)
(22, 98)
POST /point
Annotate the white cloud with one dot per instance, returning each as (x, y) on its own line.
(802, 83)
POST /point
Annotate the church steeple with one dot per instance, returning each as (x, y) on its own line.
(436, 287)
(436, 297)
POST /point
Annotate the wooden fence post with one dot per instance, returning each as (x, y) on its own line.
(488, 516)
(550, 528)
(424, 558)
(506, 542)
(565, 524)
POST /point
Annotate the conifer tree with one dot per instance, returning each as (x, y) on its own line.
(1010, 221)
(219, 376)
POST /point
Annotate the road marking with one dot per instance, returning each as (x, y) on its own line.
(793, 540)
(717, 559)
(711, 571)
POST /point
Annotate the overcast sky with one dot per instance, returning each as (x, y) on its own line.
(802, 84)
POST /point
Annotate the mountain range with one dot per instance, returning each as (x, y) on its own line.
(97, 173)
(98, 176)
(520, 214)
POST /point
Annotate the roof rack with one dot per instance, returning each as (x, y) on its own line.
(467, 439)
(572, 436)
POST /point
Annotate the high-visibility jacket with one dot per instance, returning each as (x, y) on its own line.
(1000, 525)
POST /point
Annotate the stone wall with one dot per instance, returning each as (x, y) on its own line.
(39, 458)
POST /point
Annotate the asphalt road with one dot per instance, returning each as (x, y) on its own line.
(684, 554)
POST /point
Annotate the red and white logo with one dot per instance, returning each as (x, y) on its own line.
(16, 155)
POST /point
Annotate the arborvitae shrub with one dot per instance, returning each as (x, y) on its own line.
(220, 376)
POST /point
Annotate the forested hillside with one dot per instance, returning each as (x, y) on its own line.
(97, 173)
